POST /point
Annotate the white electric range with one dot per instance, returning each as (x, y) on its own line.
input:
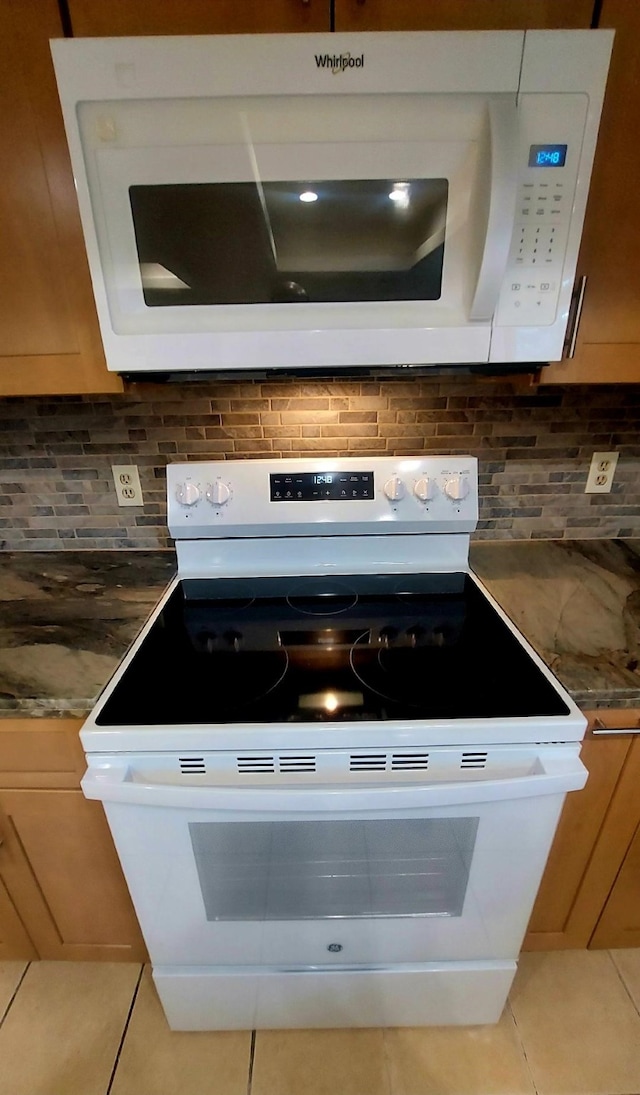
(332, 767)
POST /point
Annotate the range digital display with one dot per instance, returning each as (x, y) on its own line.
(548, 155)
(311, 486)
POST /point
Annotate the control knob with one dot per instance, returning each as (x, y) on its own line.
(457, 488)
(425, 489)
(394, 488)
(218, 493)
(187, 494)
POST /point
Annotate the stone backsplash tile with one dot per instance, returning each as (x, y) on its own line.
(534, 448)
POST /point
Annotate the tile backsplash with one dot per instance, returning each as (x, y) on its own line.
(534, 446)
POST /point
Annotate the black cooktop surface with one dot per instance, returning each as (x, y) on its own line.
(339, 649)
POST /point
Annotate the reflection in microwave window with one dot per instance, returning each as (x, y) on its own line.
(290, 242)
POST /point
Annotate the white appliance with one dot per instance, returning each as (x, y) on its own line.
(332, 767)
(332, 201)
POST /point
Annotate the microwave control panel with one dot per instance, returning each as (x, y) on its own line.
(551, 128)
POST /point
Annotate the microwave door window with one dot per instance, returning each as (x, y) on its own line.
(289, 242)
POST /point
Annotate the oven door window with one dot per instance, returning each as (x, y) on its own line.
(298, 870)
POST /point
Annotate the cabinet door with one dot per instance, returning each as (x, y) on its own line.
(49, 337)
(608, 346)
(619, 925)
(14, 941)
(92, 18)
(558, 920)
(461, 14)
(60, 868)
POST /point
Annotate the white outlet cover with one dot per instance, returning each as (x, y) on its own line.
(601, 472)
(127, 483)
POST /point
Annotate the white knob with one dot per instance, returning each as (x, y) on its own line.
(394, 488)
(457, 488)
(218, 493)
(425, 489)
(187, 494)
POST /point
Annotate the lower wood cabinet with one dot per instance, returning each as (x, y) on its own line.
(617, 860)
(62, 892)
(590, 892)
(14, 938)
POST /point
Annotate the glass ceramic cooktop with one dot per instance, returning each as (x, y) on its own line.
(349, 648)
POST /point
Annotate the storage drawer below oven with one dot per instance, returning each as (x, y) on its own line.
(432, 994)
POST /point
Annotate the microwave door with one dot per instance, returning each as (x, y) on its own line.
(379, 251)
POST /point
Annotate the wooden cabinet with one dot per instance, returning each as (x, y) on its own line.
(461, 14)
(49, 336)
(608, 346)
(590, 892)
(62, 892)
(617, 857)
(14, 940)
(91, 18)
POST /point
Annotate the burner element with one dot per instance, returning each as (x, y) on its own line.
(246, 677)
(398, 671)
(322, 597)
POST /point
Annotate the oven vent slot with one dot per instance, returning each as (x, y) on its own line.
(403, 762)
(297, 764)
(191, 765)
(256, 764)
(367, 762)
(473, 760)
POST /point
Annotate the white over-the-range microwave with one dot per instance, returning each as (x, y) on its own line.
(332, 201)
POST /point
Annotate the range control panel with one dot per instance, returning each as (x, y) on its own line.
(322, 497)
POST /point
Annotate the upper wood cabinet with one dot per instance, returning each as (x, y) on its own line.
(460, 14)
(49, 336)
(90, 18)
(608, 346)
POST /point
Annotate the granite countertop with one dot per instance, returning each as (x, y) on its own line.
(578, 604)
(67, 618)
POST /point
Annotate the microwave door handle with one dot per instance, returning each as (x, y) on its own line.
(503, 129)
(118, 784)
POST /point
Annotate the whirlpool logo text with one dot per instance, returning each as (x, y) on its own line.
(339, 62)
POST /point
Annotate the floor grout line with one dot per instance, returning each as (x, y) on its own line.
(124, 1031)
(522, 1047)
(624, 983)
(252, 1053)
(386, 1057)
(14, 994)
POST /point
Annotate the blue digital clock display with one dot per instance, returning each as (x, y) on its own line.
(547, 155)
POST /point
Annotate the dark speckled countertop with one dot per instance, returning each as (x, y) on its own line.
(67, 618)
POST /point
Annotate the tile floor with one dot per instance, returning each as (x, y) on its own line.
(572, 1027)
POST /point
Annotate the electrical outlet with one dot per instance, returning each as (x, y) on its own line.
(601, 472)
(127, 483)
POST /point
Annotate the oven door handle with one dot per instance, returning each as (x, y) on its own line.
(118, 783)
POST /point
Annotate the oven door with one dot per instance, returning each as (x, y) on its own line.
(334, 875)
